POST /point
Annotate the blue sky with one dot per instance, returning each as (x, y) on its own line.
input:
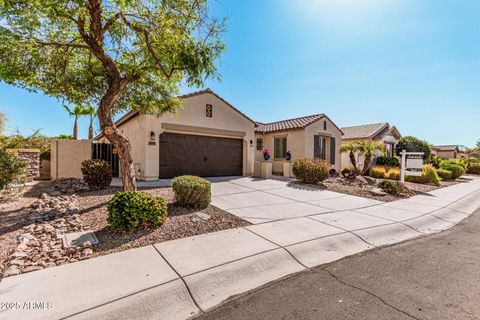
(415, 64)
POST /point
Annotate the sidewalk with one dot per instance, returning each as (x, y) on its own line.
(179, 279)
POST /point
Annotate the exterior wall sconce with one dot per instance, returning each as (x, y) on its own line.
(251, 143)
(152, 136)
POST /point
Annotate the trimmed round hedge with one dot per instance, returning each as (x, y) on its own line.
(97, 173)
(457, 170)
(444, 174)
(474, 168)
(128, 210)
(311, 171)
(192, 191)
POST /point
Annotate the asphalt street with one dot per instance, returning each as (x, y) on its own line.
(433, 277)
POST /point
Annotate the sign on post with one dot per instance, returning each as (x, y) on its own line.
(411, 164)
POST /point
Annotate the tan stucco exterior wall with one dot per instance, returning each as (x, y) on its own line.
(66, 157)
(190, 119)
(445, 154)
(300, 143)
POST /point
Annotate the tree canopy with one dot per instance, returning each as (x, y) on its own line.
(54, 46)
(413, 144)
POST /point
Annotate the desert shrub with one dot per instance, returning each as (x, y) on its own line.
(128, 210)
(474, 168)
(391, 187)
(310, 171)
(393, 174)
(444, 174)
(192, 191)
(458, 162)
(387, 161)
(412, 144)
(435, 161)
(12, 169)
(457, 171)
(429, 175)
(378, 172)
(97, 173)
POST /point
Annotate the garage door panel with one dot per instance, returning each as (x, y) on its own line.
(199, 155)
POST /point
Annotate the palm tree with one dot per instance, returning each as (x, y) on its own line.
(368, 149)
(92, 112)
(76, 112)
(351, 148)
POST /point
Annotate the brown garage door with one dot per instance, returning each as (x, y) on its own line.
(199, 155)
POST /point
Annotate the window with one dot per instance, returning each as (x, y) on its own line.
(279, 147)
(259, 144)
(209, 110)
(324, 125)
(390, 149)
(332, 150)
(319, 148)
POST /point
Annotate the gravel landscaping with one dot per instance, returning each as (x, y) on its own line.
(32, 226)
(363, 186)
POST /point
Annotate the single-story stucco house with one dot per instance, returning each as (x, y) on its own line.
(381, 132)
(314, 136)
(447, 151)
(210, 137)
(206, 137)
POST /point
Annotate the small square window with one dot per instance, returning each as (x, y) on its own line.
(209, 110)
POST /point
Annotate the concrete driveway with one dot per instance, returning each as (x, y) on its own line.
(259, 201)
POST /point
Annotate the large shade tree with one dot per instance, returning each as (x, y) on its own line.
(117, 54)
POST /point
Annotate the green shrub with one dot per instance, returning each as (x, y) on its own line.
(128, 210)
(444, 174)
(378, 172)
(392, 187)
(12, 169)
(429, 175)
(412, 144)
(387, 161)
(97, 173)
(474, 168)
(457, 171)
(435, 161)
(393, 174)
(192, 191)
(458, 162)
(310, 171)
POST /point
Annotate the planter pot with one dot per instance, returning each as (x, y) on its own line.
(266, 157)
(288, 157)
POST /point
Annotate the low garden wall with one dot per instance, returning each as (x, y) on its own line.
(67, 156)
(32, 157)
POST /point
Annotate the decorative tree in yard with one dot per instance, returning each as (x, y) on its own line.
(118, 54)
(368, 150)
(92, 113)
(351, 149)
(76, 113)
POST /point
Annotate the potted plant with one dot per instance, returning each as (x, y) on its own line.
(266, 154)
(288, 156)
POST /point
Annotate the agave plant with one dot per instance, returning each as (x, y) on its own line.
(368, 150)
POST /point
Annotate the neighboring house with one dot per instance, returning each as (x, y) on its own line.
(447, 151)
(314, 136)
(381, 132)
(206, 137)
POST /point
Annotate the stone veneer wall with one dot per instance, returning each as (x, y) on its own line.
(32, 156)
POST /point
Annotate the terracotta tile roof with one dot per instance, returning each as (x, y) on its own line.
(290, 124)
(446, 148)
(363, 131)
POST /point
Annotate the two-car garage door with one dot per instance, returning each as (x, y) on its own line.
(199, 155)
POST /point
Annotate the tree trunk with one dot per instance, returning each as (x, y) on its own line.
(353, 161)
(366, 165)
(75, 129)
(90, 129)
(116, 138)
